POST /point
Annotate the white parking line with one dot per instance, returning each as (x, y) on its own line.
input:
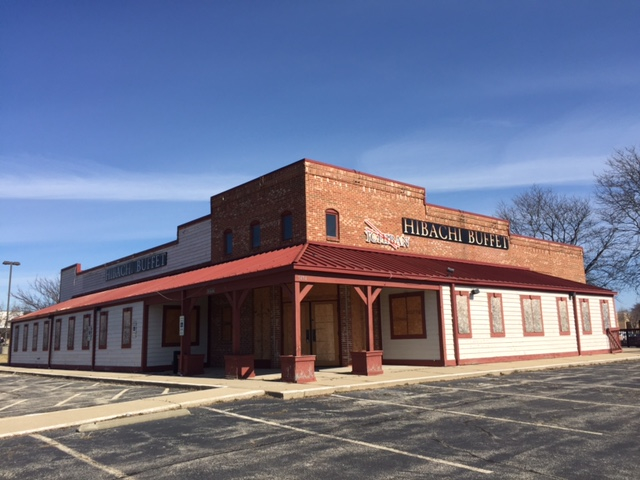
(67, 399)
(18, 388)
(466, 414)
(80, 456)
(165, 391)
(349, 440)
(59, 386)
(12, 404)
(118, 395)
(525, 395)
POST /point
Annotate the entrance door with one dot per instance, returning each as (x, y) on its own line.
(319, 322)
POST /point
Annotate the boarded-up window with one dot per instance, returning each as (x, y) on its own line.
(171, 326)
(57, 331)
(496, 316)
(34, 342)
(45, 336)
(532, 315)
(606, 319)
(71, 333)
(16, 337)
(86, 332)
(407, 315)
(103, 330)
(126, 327)
(463, 313)
(563, 316)
(585, 313)
(25, 338)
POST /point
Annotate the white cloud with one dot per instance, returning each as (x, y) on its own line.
(39, 178)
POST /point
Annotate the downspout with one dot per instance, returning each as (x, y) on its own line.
(454, 314)
(574, 297)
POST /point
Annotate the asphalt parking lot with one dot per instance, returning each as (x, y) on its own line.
(26, 395)
(571, 423)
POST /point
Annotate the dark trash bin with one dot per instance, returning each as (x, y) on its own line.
(176, 360)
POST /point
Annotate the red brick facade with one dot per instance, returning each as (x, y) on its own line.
(308, 189)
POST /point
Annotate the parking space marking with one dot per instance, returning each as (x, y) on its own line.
(165, 391)
(80, 456)
(60, 386)
(526, 395)
(569, 384)
(348, 440)
(118, 395)
(67, 399)
(17, 389)
(12, 404)
(466, 414)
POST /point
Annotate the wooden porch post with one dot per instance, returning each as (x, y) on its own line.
(237, 365)
(298, 368)
(368, 362)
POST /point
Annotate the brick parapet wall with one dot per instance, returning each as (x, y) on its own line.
(263, 200)
(358, 197)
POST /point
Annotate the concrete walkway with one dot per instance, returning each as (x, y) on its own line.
(212, 387)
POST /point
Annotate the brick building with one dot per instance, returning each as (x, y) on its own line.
(315, 266)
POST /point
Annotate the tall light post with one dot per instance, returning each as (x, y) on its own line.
(6, 321)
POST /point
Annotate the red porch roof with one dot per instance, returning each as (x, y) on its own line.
(337, 262)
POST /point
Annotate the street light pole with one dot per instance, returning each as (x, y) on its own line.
(11, 265)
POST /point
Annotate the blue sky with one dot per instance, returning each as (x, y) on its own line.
(119, 119)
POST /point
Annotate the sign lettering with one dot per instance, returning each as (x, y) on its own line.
(420, 228)
(137, 266)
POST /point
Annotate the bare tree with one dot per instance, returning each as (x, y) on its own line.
(42, 292)
(618, 192)
(541, 213)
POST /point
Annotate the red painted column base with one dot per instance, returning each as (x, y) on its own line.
(239, 366)
(191, 364)
(300, 369)
(366, 362)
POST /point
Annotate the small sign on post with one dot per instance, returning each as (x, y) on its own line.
(181, 325)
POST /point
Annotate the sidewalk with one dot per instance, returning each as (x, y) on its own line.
(212, 387)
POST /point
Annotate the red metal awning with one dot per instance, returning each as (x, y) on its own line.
(335, 262)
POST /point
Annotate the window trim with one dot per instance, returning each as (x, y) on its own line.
(491, 296)
(585, 301)
(57, 334)
(523, 309)
(71, 333)
(330, 212)
(34, 335)
(103, 330)
(25, 338)
(127, 327)
(168, 340)
(16, 340)
(602, 305)
(392, 320)
(45, 335)
(559, 302)
(469, 334)
(86, 331)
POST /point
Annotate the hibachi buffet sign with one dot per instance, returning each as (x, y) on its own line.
(420, 228)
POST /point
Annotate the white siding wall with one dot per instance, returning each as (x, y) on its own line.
(114, 355)
(597, 340)
(37, 358)
(448, 324)
(412, 349)
(193, 247)
(77, 356)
